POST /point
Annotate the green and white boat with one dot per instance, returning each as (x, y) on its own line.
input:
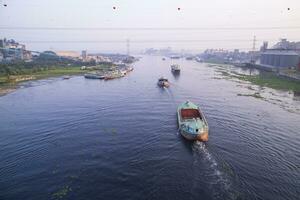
(191, 121)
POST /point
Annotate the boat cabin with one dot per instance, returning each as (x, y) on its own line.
(190, 114)
(163, 80)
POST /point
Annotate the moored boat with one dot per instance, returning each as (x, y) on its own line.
(66, 77)
(163, 82)
(192, 122)
(129, 69)
(94, 76)
(175, 68)
(113, 75)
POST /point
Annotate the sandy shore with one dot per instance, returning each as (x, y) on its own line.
(4, 91)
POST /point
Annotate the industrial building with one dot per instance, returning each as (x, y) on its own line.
(280, 58)
(12, 51)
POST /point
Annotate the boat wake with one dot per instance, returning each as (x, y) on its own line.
(218, 184)
(171, 95)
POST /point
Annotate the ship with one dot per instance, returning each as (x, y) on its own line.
(175, 68)
(192, 122)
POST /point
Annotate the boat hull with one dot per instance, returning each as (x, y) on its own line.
(93, 77)
(175, 70)
(203, 137)
(164, 84)
(192, 122)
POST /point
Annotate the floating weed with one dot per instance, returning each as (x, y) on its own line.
(113, 131)
(250, 88)
(277, 100)
(255, 95)
(62, 192)
(217, 78)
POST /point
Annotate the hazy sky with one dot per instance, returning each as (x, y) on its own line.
(207, 15)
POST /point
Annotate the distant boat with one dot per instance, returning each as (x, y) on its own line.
(163, 82)
(175, 57)
(66, 77)
(113, 75)
(189, 58)
(199, 59)
(163, 58)
(129, 69)
(191, 121)
(94, 76)
(175, 68)
(123, 72)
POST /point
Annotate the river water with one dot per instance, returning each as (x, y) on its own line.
(118, 139)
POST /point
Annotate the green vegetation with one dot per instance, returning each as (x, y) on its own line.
(265, 79)
(13, 73)
(272, 81)
(13, 78)
(57, 72)
(62, 192)
(255, 95)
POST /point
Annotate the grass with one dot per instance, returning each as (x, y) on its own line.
(58, 72)
(255, 95)
(272, 81)
(7, 85)
(3, 80)
(62, 192)
(265, 79)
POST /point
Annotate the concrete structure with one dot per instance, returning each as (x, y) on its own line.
(264, 47)
(1, 56)
(84, 55)
(285, 44)
(280, 58)
(12, 50)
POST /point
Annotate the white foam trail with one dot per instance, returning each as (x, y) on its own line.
(220, 185)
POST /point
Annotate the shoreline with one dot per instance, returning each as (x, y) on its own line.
(264, 79)
(11, 86)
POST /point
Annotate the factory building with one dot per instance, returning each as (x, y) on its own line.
(280, 58)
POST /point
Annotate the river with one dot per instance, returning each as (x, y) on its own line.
(118, 139)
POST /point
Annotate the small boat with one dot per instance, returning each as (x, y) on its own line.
(163, 82)
(94, 76)
(200, 60)
(66, 77)
(175, 68)
(123, 72)
(113, 75)
(192, 123)
(175, 57)
(129, 69)
(163, 58)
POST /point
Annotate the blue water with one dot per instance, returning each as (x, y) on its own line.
(118, 139)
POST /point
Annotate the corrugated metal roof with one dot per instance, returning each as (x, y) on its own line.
(280, 52)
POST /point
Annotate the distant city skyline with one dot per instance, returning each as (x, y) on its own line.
(105, 26)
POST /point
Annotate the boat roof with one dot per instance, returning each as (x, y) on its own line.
(187, 105)
(194, 123)
(163, 79)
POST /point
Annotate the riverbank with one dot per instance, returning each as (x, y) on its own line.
(10, 84)
(271, 80)
(263, 79)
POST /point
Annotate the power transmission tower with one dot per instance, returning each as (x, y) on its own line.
(253, 50)
(254, 43)
(128, 46)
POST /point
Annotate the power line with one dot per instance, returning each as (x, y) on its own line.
(147, 28)
(136, 41)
